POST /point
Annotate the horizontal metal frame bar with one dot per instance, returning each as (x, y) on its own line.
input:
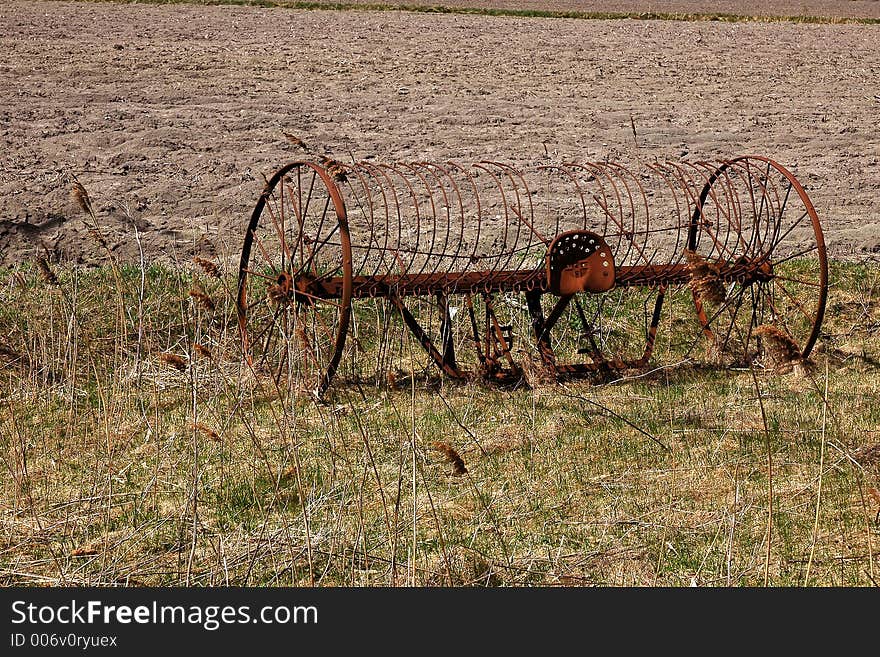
(518, 281)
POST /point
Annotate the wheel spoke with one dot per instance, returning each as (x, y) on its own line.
(279, 230)
(309, 262)
(318, 233)
(263, 250)
(307, 347)
(790, 228)
(258, 274)
(799, 281)
(733, 315)
(285, 254)
(804, 252)
(304, 209)
(764, 194)
(785, 200)
(795, 302)
(323, 300)
(269, 333)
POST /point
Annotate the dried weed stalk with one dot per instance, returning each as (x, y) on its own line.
(206, 431)
(391, 379)
(202, 298)
(81, 197)
(335, 168)
(458, 467)
(99, 239)
(706, 281)
(173, 360)
(535, 373)
(296, 141)
(780, 347)
(46, 274)
(210, 268)
(84, 552)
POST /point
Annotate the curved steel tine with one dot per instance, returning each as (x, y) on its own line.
(495, 265)
(511, 249)
(382, 268)
(468, 259)
(644, 231)
(403, 245)
(428, 254)
(677, 227)
(565, 169)
(715, 182)
(395, 261)
(527, 218)
(758, 205)
(454, 258)
(366, 209)
(686, 183)
(746, 222)
(731, 220)
(441, 254)
(598, 169)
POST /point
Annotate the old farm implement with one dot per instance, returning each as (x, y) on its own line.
(570, 269)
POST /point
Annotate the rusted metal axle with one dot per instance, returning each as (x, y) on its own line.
(574, 266)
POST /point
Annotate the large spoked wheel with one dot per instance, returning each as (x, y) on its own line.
(295, 280)
(759, 264)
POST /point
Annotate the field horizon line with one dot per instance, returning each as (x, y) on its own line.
(691, 17)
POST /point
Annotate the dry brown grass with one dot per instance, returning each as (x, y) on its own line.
(125, 467)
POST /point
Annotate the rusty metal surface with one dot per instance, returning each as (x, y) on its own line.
(581, 244)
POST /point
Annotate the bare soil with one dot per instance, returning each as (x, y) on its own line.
(172, 115)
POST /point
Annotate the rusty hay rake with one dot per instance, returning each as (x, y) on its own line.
(498, 272)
